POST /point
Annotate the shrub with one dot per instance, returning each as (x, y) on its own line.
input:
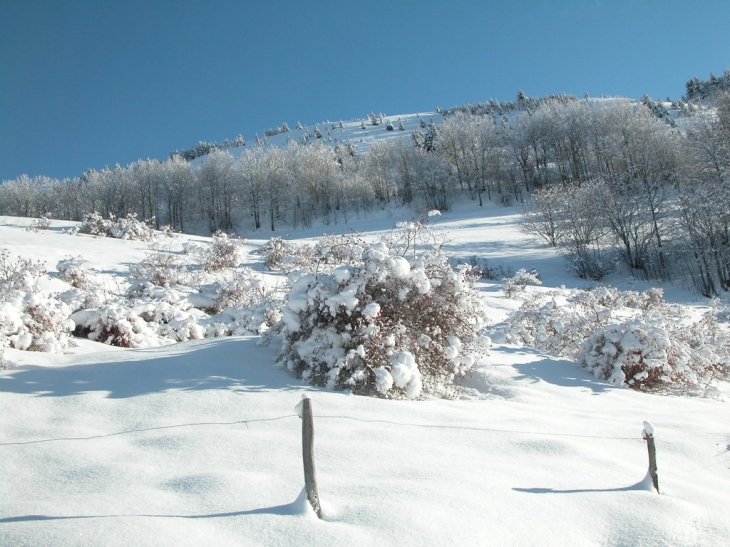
(29, 319)
(39, 224)
(245, 289)
(34, 322)
(223, 253)
(121, 228)
(19, 273)
(75, 272)
(384, 326)
(559, 321)
(480, 268)
(161, 268)
(518, 283)
(338, 249)
(141, 323)
(627, 338)
(653, 358)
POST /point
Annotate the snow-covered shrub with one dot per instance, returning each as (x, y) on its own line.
(280, 254)
(628, 338)
(558, 322)
(244, 290)
(130, 228)
(167, 230)
(93, 224)
(257, 319)
(34, 322)
(480, 268)
(654, 357)
(29, 319)
(589, 262)
(384, 326)
(224, 252)
(636, 354)
(157, 316)
(86, 291)
(161, 268)
(39, 224)
(113, 324)
(121, 228)
(518, 283)
(19, 273)
(410, 237)
(338, 249)
(274, 251)
(4, 363)
(75, 272)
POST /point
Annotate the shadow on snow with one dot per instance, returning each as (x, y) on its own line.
(222, 363)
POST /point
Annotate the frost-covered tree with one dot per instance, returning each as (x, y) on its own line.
(218, 196)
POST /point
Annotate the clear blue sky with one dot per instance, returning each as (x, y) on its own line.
(90, 83)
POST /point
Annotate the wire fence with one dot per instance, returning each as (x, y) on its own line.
(307, 435)
(354, 419)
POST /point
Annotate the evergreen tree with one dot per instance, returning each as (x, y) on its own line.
(429, 141)
(418, 139)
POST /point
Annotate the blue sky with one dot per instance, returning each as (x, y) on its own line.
(85, 84)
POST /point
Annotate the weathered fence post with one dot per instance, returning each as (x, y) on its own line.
(648, 434)
(310, 476)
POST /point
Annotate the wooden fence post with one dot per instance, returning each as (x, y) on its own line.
(310, 476)
(651, 447)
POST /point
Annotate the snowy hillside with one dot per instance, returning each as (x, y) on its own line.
(198, 442)
(361, 134)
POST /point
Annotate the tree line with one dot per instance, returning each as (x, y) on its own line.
(605, 181)
(617, 186)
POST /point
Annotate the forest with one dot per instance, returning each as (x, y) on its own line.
(611, 183)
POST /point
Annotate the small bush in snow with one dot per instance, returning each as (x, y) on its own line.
(112, 324)
(338, 249)
(653, 358)
(518, 283)
(34, 322)
(559, 322)
(93, 224)
(19, 273)
(75, 272)
(384, 326)
(409, 238)
(155, 316)
(280, 254)
(39, 224)
(224, 252)
(121, 228)
(161, 268)
(480, 268)
(628, 338)
(245, 289)
(29, 319)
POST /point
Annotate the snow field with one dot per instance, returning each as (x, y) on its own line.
(530, 470)
(536, 451)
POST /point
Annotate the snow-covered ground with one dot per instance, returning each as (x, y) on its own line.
(198, 443)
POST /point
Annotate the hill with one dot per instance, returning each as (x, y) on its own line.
(199, 442)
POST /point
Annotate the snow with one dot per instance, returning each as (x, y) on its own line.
(199, 442)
